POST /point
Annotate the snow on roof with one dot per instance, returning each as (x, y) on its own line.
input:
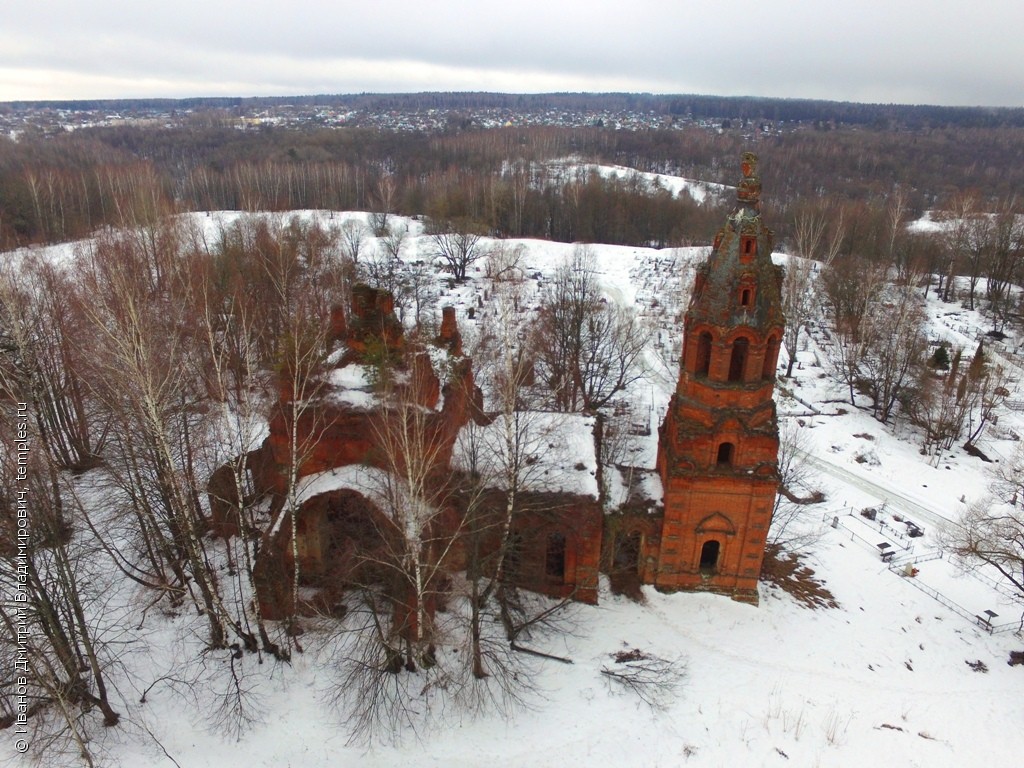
(357, 477)
(559, 452)
(352, 386)
(367, 481)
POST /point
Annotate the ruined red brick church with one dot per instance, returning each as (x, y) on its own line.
(716, 460)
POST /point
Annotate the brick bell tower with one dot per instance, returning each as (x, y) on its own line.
(718, 446)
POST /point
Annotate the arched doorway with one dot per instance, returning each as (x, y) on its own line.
(709, 557)
(726, 452)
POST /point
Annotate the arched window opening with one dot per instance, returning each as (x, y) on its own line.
(738, 359)
(554, 558)
(709, 557)
(725, 454)
(771, 356)
(703, 362)
(746, 296)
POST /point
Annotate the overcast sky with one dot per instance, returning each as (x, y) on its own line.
(904, 51)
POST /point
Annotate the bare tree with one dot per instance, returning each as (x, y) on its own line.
(791, 526)
(1005, 264)
(967, 241)
(504, 455)
(401, 570)
(393, 240)
(43, 354)
(988, 383)
(895, 346)
(896, 213)
(939, 405)
(652, 679)
(458, 247)
(1008, 480)
(611, 352)
(144, 372)
(412, 445)
(420, 291)
(353, 240)
(810, 225)
(55, 651)
(990, 534)
(239, 389)
(386, 270)
(853, 288)
(504, 262)
(572, 297)
(383, 201)
(588, 349)
(798, 304)
(504, 464)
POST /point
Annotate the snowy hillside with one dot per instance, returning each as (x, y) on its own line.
(700, 191)
(878, 673)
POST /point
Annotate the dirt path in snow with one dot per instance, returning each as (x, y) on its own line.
(895, 498)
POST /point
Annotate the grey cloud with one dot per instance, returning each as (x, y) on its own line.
(872, 50)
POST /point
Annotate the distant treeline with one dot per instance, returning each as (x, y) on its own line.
(498, 181)
(698, 107)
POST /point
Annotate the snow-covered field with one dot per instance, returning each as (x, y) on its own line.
(881, 679)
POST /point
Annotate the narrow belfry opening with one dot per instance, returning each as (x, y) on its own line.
(725, 454)
(709, 557)
(554, 558)
(771, 356)
(703, 364)
(745, 295)
(748, 249)
(738, 359)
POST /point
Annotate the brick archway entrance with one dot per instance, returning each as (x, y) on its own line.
(624, 576)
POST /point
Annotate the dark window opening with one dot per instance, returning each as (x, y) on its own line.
(703, 363)
(709, 557)
(725, 454)
(514, 557)
(745, 297)
(627, 552)
(738, 359)
(554, 558)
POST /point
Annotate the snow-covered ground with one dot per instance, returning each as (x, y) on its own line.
(880, 679)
